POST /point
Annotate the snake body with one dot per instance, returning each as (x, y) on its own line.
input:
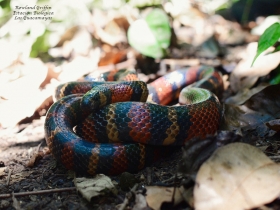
(112, 136)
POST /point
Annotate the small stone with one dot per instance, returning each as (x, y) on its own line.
(4, 204)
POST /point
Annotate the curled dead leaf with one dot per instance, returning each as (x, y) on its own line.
(156, 196)
(35, 159)
(261, 107)
(241, 117)
(266, 101)
(243, 95)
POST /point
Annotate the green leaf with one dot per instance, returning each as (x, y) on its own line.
(275, 76)
(41, 45)
(159, 25)
(151, 36)
(268, 39)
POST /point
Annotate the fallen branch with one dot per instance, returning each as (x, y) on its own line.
(39, 192)
(9, 176)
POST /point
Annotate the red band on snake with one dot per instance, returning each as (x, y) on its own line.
(116, 130)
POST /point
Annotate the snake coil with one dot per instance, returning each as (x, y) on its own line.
(112, 129)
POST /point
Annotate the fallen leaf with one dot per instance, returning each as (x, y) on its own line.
(259, 30)
(256, 111)
(75, 41)
(233, 177)
(92, 187)
(156, 196)
(150, 36)
(21, 175)
(239, 117)
(114, 30)
(106, 29)
(78, 67)
(243, 95)
(3, 171)
(266, 101)
(140, 202)
(35, 159)
(228, 32)
(245, 75)
(67, 36)
(197, 151)
(112, 58)
(16, 203)
(122, 22)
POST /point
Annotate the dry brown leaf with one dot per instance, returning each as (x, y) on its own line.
(243, 95)
(3, 171)
(35, 159)
(108, 29)
(236, 176)
(241, 117)
(112, 58)
(20, 175)
(92, 187)
(68, 35)
(158, 195)
(75, 41)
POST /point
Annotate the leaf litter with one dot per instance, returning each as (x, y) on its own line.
(97, 42)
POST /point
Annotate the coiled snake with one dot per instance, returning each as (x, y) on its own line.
(111, 137)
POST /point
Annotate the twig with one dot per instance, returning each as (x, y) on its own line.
(38, 147)
(9, 176)
(39, 192)
(43, 174)
(167, 180)
(149, 175)
(274, 157)
(128, 197)
(16, 204)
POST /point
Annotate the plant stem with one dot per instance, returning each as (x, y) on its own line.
(246, 11)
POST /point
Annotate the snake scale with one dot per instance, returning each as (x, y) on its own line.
(112, 129)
